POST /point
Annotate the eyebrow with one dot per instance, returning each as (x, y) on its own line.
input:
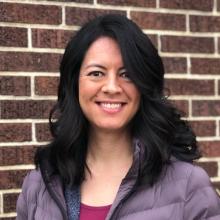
(100, 66)
(95, 65)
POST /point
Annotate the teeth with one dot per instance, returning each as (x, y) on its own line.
(111, 105)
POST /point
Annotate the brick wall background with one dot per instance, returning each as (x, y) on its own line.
(33, 34)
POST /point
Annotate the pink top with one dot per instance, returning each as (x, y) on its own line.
(93, 212)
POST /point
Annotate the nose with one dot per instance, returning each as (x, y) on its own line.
(111, 85)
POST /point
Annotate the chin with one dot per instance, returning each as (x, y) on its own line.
(111, 127)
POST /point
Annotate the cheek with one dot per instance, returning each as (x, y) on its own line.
(83, 89)
(86, 93)
(86, 87)
(82, 94)
(134, 94)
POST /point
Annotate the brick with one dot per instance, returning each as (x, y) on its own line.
(206, 108)
(9, 201)
(9, 218)
(13, 37)
(190, 87)
(175, 64)
(30, 13)
(79, 16)
(159, 21)
(78, 1)
(218, 5)
(219, 45)
(182, 106)
(13, 85)
(200, 5)
(11, 132)
(10, 179)
(181, 44)
(44, 38)
(46, 85)
(219, 87)
(153, 39)
(138, 3)
(204, 23)
(210, 148)
(43, 132)
(17, 155)
(26, 109)
(210, 167)
(29, 61)
(205, 66)
(216, 185)
(198, 127)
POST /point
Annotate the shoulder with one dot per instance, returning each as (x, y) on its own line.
(27, 199)
(179, 170)
(188, 179)
(32, 184)
(196, 189)
(184, 177)
(33, 177)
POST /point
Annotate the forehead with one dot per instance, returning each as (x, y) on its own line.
(104, 50)
(104, 41)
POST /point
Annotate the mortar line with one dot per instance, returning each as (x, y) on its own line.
(214, 6)
(29, 33)
(5, 215)
(187, 24)
(157, 4)
(17, 167)
(33, 130)
(63, 15)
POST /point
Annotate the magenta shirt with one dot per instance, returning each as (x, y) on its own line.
(93, 212)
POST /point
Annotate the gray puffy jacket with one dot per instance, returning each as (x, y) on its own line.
(183, 193)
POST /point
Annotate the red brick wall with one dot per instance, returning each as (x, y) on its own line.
(33, 35)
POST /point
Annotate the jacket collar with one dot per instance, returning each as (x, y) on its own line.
(129, 183)
(53, 184)
(55, 187)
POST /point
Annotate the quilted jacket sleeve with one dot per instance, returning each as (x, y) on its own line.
(26, 203)
(202, 202)
(21, 206)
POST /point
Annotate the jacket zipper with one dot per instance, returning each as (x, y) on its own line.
(117, 208)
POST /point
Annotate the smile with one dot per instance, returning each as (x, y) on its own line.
(111, 107)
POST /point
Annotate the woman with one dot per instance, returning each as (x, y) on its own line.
(120, 150)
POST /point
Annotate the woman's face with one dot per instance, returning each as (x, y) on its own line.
(107, 97)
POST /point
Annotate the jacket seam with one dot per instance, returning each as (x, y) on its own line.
(150, 209)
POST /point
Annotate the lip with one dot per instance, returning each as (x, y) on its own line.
(111, 101)
(104, 106)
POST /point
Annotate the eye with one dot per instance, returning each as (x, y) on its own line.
(125, 75)
(96, 74)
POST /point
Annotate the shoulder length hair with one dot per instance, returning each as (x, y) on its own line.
(157, 124)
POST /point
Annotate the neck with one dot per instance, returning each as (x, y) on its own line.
(108, 148)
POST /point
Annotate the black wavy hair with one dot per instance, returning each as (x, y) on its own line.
(157, 124)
